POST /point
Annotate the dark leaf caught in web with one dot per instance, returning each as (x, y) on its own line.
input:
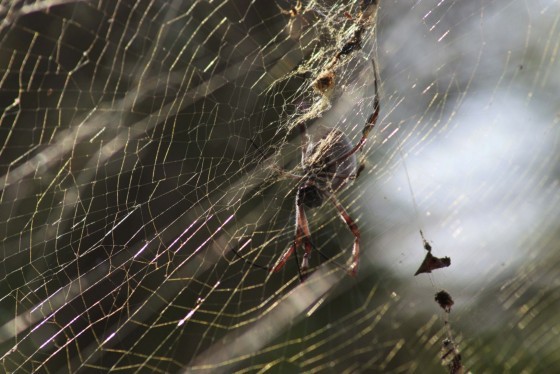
(432, 263)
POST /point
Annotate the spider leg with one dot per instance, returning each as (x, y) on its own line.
(285, 173)
(302, 235)
(276, 168)
(304, 142)
(286, 255)
(354, 228)
(302, 226)
(370, 123)
(303, 223)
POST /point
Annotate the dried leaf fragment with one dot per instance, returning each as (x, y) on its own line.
(432, 262)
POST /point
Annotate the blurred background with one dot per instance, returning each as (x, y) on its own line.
(141, 203)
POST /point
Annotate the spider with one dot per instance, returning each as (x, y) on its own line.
(293, 11)
(327, 166)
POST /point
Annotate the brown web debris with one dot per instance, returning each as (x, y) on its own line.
(443, 298)
(451, 357)
(324, 82)
(431, 262)
(363, 21)
(450, 353)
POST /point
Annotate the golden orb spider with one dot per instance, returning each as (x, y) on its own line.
(327, 165)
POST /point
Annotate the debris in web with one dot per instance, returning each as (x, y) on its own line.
(450, 353)
(451, 357)
(431, 262)
(444, 300)
(325, 81)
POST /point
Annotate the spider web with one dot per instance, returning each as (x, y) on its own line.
(141, 197)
